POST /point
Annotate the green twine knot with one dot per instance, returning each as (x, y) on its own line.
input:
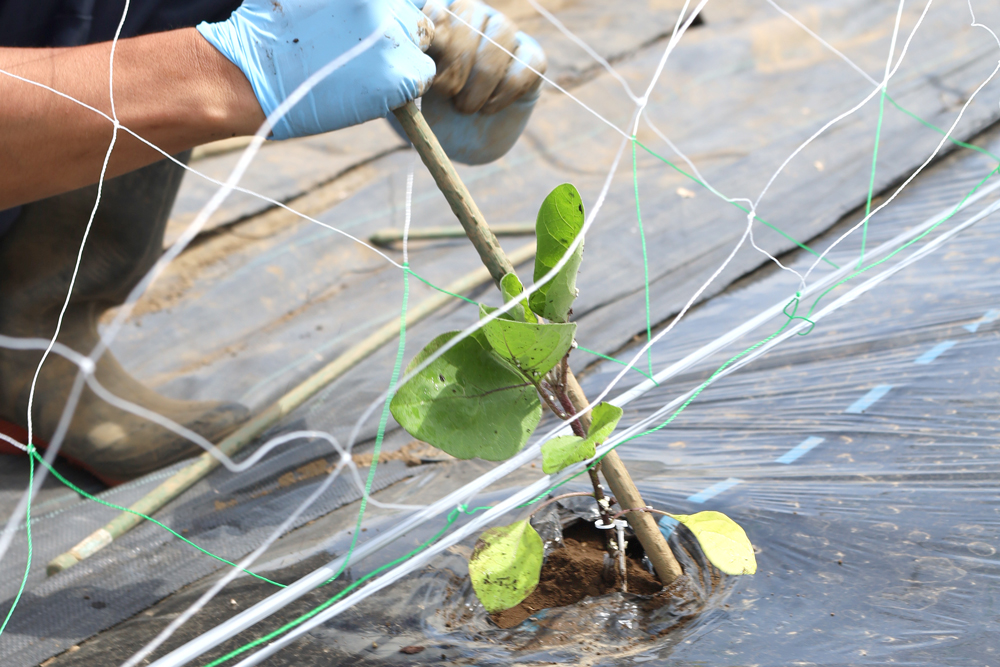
(794, 303)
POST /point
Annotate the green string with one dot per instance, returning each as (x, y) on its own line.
(75, 488)
(617, 361)
(794, 303)
(871, 180)
(971, 147)
(383, 420)
(907, 244)
(734, 203)
(27, 528)
(439, 289)
(645, 259)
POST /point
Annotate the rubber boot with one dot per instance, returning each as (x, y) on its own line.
(37, 256)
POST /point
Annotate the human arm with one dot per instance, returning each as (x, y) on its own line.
(179, 89)
(182, 88)
(172, 88)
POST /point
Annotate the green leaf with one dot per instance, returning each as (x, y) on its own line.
(505, 565)
(603, 420)
(511, 288)
(469, 402)
(723, 540)
(566, 450)
(560, 220)
(533, 348)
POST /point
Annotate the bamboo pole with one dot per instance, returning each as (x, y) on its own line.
(451, 185)
(204, 464)
(628, 496)
(386, 237)
(454, 190)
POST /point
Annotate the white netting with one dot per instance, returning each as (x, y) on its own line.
(804, 287)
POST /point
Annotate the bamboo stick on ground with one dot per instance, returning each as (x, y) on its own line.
(451, 185)
(248, 433)
(386, 237)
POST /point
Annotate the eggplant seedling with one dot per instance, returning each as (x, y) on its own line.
(483, 399)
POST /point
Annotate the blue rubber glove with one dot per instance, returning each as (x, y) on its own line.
(278, 44)
(481, 98)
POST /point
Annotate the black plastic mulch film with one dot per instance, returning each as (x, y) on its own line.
(226, 514)
(862, 459)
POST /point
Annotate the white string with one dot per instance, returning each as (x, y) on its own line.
(190, 232)
(857, 106)
(127, 406)
(200, 174)
(551, 18)
(365, 417)
(826, 44)
(751, 213)
(8, 534)
(12, 441)
(675, 39)
(249, 560)
(540, 74)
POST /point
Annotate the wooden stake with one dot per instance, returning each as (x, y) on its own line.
(649, 535)
(454, 191)
(451, 185)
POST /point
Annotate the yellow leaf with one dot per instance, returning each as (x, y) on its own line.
(724, 542)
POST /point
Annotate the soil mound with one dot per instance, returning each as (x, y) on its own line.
(577, 571)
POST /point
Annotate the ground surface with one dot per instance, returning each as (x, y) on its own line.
(888, 526)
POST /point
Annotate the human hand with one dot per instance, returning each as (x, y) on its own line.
(278, 44)
(481, 98)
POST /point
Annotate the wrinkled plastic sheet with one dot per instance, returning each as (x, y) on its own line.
(898, 493)
(227, 514)
(861, 458)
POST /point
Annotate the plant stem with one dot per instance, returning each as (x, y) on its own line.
(548, 395)
(454, 190)
(645, 527)
(603, 506)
